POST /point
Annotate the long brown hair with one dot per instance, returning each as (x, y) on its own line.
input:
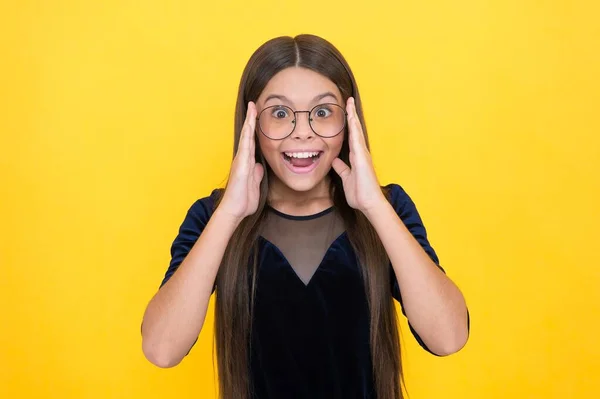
(236, 279)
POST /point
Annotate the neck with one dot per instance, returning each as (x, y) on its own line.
(286, 199)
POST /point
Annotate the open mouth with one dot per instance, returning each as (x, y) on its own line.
(301, 162)
(302, 159)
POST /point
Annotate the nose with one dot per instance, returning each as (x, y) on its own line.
(302, 130)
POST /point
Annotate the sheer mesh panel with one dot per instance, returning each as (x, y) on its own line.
(303, 240)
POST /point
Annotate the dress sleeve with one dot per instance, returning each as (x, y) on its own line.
(407, 211)
(192, 226)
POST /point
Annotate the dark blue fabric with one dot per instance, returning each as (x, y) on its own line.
(309, 341)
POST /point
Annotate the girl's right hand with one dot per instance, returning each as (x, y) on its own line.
(243, 188)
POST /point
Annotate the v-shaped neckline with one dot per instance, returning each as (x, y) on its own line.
(289, 265)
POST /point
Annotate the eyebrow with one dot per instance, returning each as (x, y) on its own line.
(287, 100)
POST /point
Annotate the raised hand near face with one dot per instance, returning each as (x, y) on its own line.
(361, 186)
(243, 188)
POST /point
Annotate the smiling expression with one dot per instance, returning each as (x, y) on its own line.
(300, 89)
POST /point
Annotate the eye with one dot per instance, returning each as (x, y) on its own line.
(279, 113)
(323, 112)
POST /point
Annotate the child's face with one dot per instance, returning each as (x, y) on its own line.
(300, 89)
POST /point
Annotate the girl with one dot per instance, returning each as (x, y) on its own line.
(305, 250)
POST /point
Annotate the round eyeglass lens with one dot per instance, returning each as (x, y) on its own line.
(277, 121)
(327, 120)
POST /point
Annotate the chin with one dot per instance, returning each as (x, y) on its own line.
(302, 184)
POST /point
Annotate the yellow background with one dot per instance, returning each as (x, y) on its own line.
(116, 115)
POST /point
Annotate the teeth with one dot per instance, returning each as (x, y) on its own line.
(301, 154)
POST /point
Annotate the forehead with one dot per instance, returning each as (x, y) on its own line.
(300, 86)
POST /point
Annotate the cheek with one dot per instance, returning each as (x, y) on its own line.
(269, 148)
(336, 145)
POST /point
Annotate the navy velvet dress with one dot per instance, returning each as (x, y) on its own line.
(310, 336)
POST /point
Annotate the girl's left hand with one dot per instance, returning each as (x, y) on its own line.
(361, 187)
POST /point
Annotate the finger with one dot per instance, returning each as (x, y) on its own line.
(352, 127)
(360, 136)
(244, 146)
(252, 129)
(242, 134)
(341, 168)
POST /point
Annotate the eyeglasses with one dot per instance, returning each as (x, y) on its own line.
(277, 122)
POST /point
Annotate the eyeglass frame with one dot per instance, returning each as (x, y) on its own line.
(296, 118)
